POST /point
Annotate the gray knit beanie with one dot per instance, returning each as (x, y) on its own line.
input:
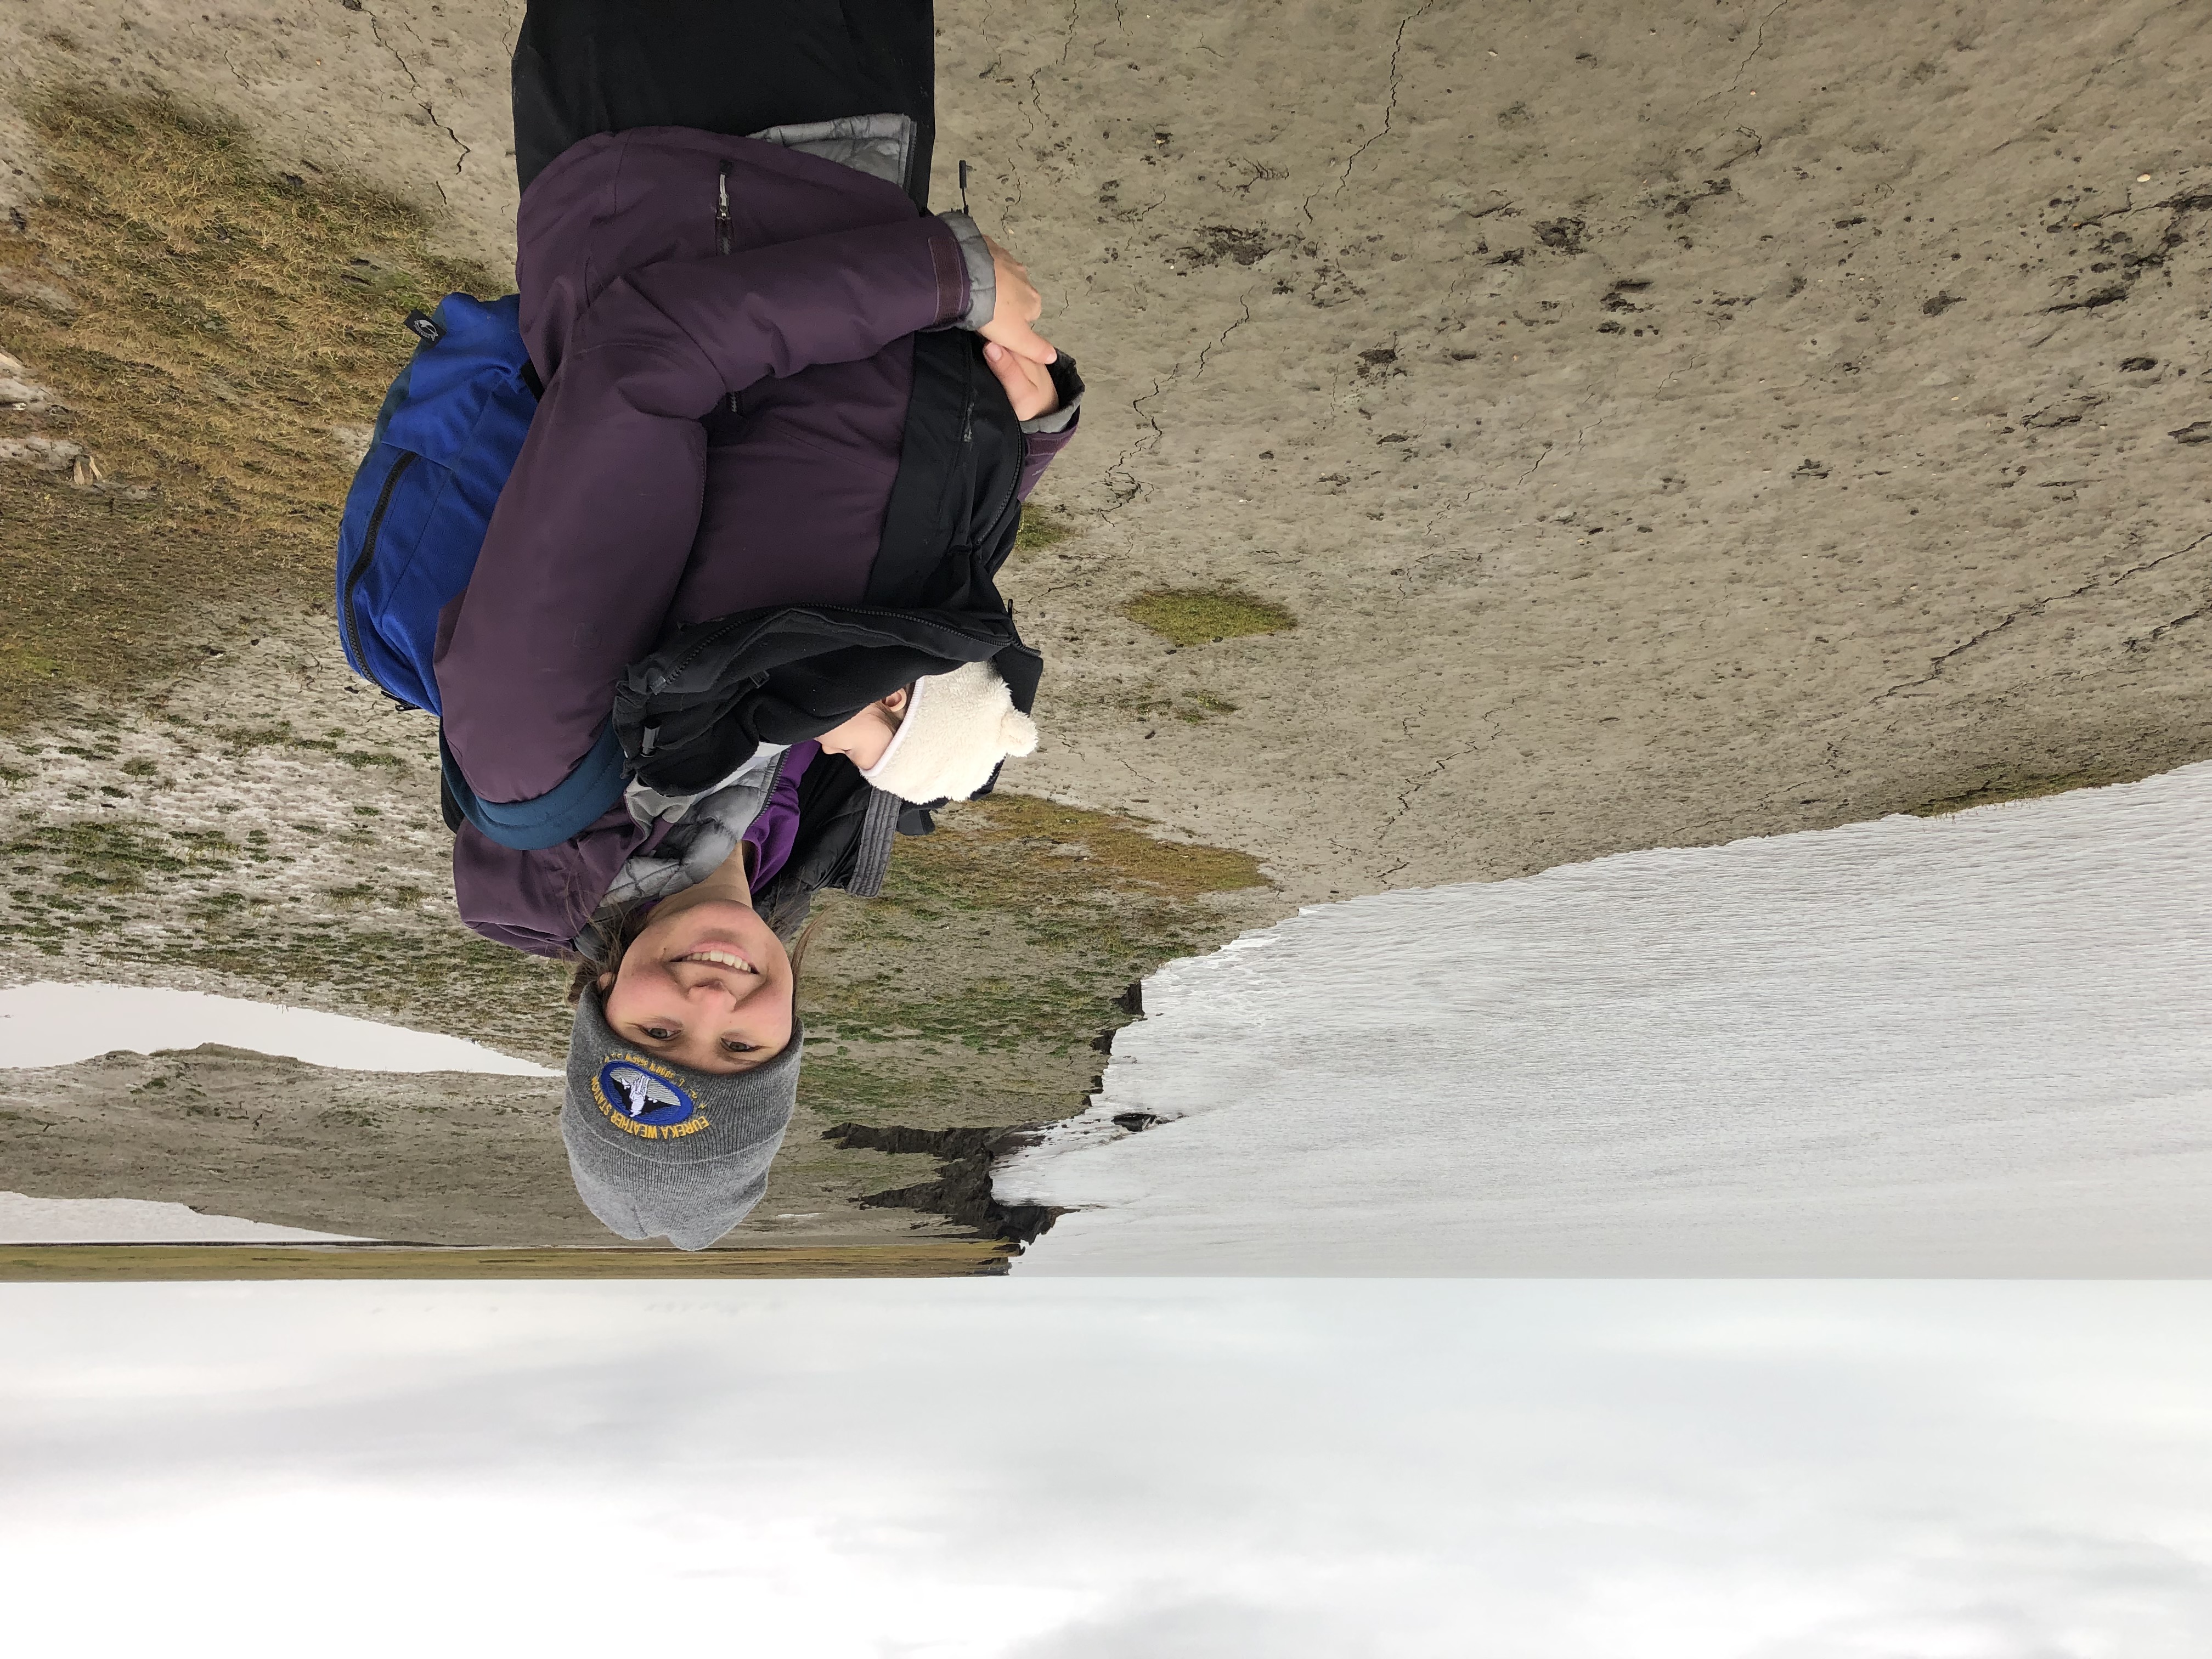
(659, 1149)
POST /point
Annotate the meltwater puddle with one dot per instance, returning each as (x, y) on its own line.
(138, 1221)
(52, 1023)
(1975, 1045)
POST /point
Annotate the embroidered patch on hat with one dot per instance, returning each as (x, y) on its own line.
(643, 1098)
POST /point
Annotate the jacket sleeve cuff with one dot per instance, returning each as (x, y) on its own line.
(1069, 384)
(983, 274)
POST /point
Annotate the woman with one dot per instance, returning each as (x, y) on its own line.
(755, 520)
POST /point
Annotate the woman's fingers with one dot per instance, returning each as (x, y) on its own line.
(1020, 338)
(1019, 305)
(1029, 384)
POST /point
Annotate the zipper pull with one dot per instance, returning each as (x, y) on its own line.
(963, 188)
(722, 231)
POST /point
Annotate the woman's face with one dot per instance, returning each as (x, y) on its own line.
(706, 985)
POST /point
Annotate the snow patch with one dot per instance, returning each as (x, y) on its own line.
(18, 390)
(353, 442)
(1971, 1045)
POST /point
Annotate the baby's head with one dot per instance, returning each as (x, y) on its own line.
(864, 737)
(941, 739)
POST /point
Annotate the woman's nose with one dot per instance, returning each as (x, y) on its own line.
(713, 993)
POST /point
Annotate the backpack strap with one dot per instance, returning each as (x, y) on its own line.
(595, 785)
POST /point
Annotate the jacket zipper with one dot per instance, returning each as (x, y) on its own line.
(991, 519)
(722, 233)
(967, 444)
(360, 569)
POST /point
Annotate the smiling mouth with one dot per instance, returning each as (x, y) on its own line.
(720, 958)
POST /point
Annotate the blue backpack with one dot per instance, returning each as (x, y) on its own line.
(445, 440)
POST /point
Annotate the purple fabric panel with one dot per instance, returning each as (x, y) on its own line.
(776, 831)
(538, 901)
(796, 493)
(596, 527)
(623, 200)
(1042, 446)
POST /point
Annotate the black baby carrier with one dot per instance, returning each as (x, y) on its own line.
(690, 712)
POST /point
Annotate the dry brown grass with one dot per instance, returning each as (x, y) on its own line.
(205, 323)
(976, 989)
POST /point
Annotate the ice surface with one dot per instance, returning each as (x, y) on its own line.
(1967, 1045)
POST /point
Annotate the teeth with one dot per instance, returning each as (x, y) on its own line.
(720, 959)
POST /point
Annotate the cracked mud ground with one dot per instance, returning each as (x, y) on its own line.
(1666, 423)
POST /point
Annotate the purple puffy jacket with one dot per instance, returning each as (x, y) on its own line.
(718, 432)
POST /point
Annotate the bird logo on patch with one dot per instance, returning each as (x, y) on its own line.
(643, 1096)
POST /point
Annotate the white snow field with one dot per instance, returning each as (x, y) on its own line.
(52, 1023)
(1974, 1045)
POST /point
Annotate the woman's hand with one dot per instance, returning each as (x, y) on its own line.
(1018, 306)
(1029, 384)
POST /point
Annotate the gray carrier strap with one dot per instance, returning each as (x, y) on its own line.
(871, 853)
(705, 830)
(648, 805)
(881, 146)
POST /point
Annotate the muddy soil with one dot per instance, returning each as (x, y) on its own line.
(1665, 423)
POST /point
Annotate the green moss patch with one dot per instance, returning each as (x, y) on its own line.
(1206, 616)
(120, 857)
(1041, 528)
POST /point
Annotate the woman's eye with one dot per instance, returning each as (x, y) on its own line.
(730, 1045)
(659, 1033)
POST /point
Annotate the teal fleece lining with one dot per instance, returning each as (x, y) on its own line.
(547, 820)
